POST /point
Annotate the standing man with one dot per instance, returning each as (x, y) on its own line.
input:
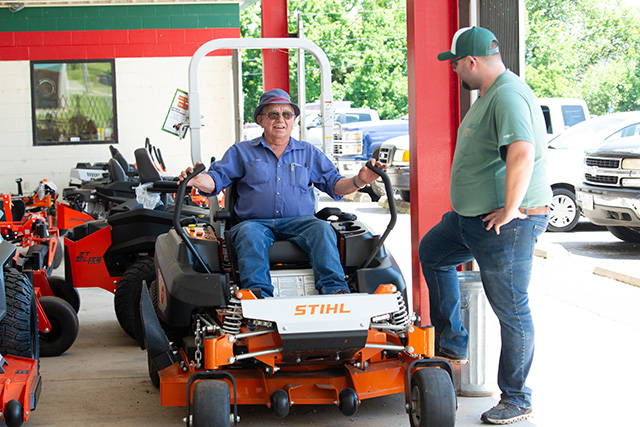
(275, 176)
(499, 195)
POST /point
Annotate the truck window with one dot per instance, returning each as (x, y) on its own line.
(357, 117)
(630, 130)
(572, 114)
(547, 118)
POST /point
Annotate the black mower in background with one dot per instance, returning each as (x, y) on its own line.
(116, 253)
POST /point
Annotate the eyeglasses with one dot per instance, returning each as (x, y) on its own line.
(275, 115)
(454, 61)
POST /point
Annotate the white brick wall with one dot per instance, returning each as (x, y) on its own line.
(144, 90)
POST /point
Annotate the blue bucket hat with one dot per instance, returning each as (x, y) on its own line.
(274, 96)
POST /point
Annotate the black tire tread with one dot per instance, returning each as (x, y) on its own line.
(16, 334)
(127, 295)
(211, 407)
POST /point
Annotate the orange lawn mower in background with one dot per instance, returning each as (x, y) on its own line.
(29, 222)
(20, 381)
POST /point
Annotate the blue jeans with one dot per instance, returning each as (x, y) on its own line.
(253, 238)
(505, 262)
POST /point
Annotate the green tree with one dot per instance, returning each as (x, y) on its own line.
(587, 49)
(365, 41)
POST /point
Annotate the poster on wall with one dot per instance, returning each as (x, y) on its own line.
(177, 122)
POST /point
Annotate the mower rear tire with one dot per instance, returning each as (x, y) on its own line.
(433, 399)
(211, 404)
(19, 327)
(64, 326)
(68, 293)
(127, 297)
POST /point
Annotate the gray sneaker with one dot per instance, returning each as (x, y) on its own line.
(506, 413)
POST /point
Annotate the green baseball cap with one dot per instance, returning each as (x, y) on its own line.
(470, 41)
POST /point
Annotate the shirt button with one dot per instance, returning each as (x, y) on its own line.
(277, 194)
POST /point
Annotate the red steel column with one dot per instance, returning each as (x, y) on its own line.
(433, 121)
(275, 63)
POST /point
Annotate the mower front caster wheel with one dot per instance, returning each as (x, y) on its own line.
(348, 402)
(13, 413)
(64, 326)
(211, 404)
(280, 403)
(433, 399)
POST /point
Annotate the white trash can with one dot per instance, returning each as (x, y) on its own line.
(479, 376)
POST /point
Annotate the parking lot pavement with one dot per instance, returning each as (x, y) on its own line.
(587, 340)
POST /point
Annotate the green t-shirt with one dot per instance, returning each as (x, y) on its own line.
(508, 112)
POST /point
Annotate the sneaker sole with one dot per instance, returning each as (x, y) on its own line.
(509, 421)
(453, 361)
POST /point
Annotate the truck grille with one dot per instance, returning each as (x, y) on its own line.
(603, 163)
(602, 171)
(601, 179)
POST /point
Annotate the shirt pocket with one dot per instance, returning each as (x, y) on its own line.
(256, 172)
(300, 176)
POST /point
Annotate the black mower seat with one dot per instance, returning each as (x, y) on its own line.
(146, 169)
(280, 252)
(116, 172)
(286, 252)
(126, 167)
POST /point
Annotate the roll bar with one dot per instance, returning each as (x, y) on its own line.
(326, 95)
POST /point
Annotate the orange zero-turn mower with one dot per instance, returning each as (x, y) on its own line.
(20, 382)
(31, 229)
(210, 341)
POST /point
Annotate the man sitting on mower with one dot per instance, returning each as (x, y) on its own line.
(275, 175)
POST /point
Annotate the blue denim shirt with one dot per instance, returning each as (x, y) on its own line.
(269, 187)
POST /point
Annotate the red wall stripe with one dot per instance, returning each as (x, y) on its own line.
(61, 45)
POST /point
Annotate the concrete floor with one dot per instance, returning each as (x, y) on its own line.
(584, 374)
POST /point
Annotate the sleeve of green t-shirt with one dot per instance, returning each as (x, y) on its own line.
(513, 119)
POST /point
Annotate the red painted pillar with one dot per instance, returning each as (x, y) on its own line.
(434, 115)
(275, 63)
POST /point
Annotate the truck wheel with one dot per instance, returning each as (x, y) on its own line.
(68, 293)
(211, 404)
(564, 213)
(628, 234)
(433, 400)
(404, 195)
(19, 327)
(127, 297)
(64, 326)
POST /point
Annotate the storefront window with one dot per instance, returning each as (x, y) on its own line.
(73, 102)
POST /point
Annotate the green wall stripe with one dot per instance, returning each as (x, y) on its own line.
(136, 17)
